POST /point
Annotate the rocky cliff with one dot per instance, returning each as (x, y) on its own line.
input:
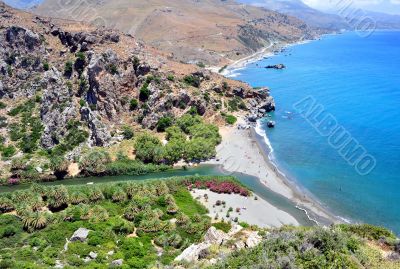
(67, 85)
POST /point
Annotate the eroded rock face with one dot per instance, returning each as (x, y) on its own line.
(19, 37)
(99, 133)
(56, 108)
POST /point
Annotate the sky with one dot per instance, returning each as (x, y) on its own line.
(388, 6)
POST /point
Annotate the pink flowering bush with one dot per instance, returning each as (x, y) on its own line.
(13, 181)
(218, 186)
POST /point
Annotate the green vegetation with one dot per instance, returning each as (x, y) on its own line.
(28, 130)
(201, 65)
(192, 80)
(2, 105)
(236, 104)
(316, 247)
(68, 68)
(144, 93)
(127, 132)
(223, 226)
(164, 123)
(203, 138)
(46, 66)
(230, 119)
(35, 237)
(222, 69)
(171, 77)
(149, 148)
(133, 104)
(76, 135)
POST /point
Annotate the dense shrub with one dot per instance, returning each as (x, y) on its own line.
(192, 80)
(187, 121)
(149, 148)
(132, 168)
(127, 132)
(209, 132)
(164, 123)
(95, 162)
(230, 119)
(218, 186)
(133, 104)
(68, 68)
(223, 226)
(144, 93)
(368, 231)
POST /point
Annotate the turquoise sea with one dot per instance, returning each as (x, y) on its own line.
(355, 81)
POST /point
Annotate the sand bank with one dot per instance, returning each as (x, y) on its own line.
(255, 212)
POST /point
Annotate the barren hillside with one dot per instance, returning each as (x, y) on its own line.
(209, 31)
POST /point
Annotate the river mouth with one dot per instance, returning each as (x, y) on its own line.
(251, 182)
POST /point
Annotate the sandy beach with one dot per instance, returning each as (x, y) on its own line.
(252, 210)
(240, 152)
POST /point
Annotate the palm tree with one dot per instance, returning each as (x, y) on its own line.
(150, 225)
(35, 221)
(172, 208)
(130, 212)
(119, 196)
(58, 197)
(95, 195)
(131, 189)
(36, 203)
(169, 199)
(98, 214)
(182, 219)
(77, 198)
(39, 189)
(6, 205)
(23, 210)
(21, 196)
(84, 212)
(162, 188)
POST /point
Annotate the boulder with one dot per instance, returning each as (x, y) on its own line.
(117, 263)
(215, 236)
(271, 124)
(192, 253)
(217, 89)
(143, 69)
(268, 104)
(253, 239)
(92, 255)
(239, 245)
(80, 235)
(252, 118)
(394, 256)
(240, 92)
(276, 66)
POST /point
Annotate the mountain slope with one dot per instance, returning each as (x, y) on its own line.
(207, 31)
(298, 9)
(67, 86)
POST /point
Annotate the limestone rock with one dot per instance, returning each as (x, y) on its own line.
(81, 234)
(215, 236)
(117, 263)
(192, 253)
(253, 239)
(92, 255)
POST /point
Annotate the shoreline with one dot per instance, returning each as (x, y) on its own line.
(241, 152)
(305, 200)
(267, 51)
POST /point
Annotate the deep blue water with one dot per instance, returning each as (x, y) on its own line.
(357, 80)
